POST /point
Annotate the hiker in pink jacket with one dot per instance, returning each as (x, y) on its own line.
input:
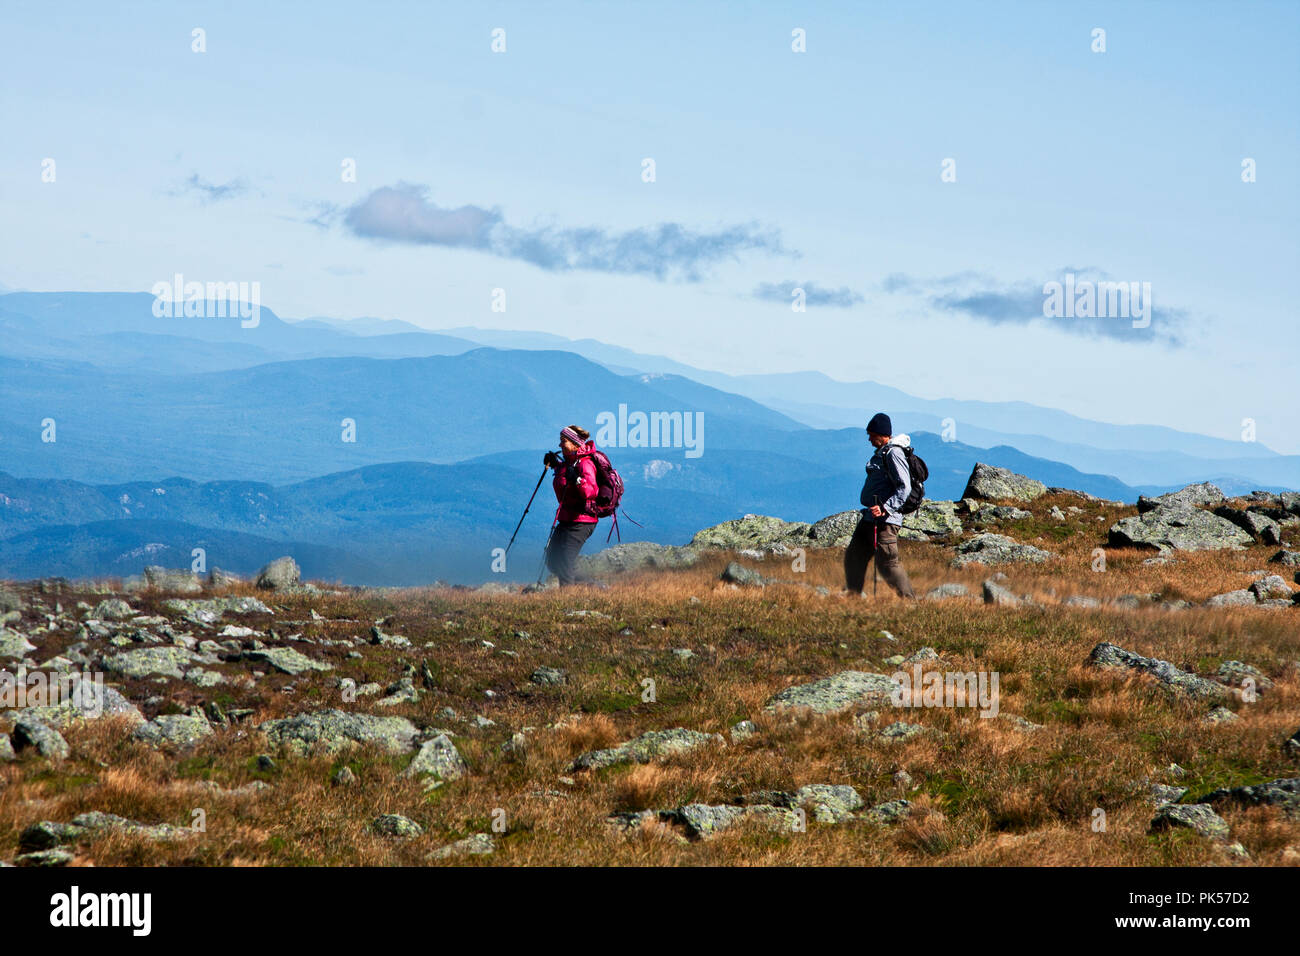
(575, 490)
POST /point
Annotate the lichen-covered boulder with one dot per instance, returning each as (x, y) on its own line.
(990, 483)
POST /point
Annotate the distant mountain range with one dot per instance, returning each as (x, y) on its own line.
(171, 434)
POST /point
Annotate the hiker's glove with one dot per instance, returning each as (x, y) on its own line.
(552, 460)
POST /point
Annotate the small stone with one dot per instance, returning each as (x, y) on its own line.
(396, 825)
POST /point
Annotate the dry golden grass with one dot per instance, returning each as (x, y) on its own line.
(985, 793)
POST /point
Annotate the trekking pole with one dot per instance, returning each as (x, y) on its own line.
(541, 570)
(875, 548)
(545, 469)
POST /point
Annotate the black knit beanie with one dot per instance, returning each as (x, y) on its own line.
(880, 424)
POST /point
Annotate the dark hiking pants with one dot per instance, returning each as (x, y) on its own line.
(879, 541)
(562, 553)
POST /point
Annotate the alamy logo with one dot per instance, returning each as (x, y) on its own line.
(85, 692)
(653, 430)
(73, 909)
(1085, 299)
(950, 689)
(211, 300)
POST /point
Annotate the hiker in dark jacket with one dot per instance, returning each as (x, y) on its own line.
(575, 490)
(886, 489)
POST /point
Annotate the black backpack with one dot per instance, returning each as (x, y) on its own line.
(919, 472)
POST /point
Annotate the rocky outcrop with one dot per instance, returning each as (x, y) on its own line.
(638, 555)
(1199, 495)
(647, 747)
(835, 693)
(752, 531)
(46, 835)
(1260, 527)
(1283, 793)
(991, 483)
(933, 520)
(335, 730)
(835, 531)
(210, 611)
(1177, 528)
(994, 549)
(1107, 655)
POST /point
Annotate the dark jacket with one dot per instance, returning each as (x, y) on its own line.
(889, 481)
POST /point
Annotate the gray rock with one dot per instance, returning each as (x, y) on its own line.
(703, 821)
(934, 519)
(984, 513)
(344, 777)
(924, 654)
(1081, 600)
(47, 741)
(176, 581)
(828, 803)
(752, 531)
(835, 693)
(44, 858)
(177, 730)
(6, 748)
(1290, 559)
(1235, 672)
(280, 575)
(1219, 715)
(1203, 494)
(1283, 792)
(1162, 794)
(1241, 598)
(210, 610)
(945, 591)
(737, 573)
(14, 645)
(437, 758)
(167, 660)
(334, 730)
(550, 676)
(993, 549)
(1107, 655)
(1178, 529)
(636, 555)
(112, 609)
(743, 730)
(991, 483)
(835, 531)
(1260, 527)
(647, 747)
(995, 593)
(85, 702)
(888, 813)
(901, 730)
(1291, 747)
(480, 844)
(396, 825)
(287, 660)
(1199, 817)
(1272, 586)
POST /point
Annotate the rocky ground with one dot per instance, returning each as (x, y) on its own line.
(723, 702)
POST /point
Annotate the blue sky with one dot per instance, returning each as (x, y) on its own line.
(522, 171)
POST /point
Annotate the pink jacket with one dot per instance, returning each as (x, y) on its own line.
(575, 499)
